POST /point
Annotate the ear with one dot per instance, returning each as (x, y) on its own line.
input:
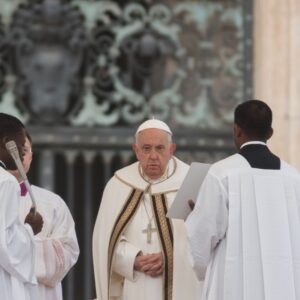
(172, 149)
(30, 159)
(270, 134)
(237, 130)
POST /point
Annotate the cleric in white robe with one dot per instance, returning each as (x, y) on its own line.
(57, 248)
(244, 231)
(138, 253)
(17, 279)
(17, 250)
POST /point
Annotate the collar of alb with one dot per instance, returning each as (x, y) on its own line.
(253, 143)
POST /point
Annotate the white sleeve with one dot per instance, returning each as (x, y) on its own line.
(16, 240)
(207, 223)
(124, 257)
(59, 252)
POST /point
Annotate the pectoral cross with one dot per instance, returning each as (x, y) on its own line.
(149, 231)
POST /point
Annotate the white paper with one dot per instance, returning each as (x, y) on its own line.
(189, 189)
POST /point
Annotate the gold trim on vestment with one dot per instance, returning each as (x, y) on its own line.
(126, 214)
(171, 191)
(147, 187)
(164, 226)
(129, 184)
(165, 233)
(164, 179)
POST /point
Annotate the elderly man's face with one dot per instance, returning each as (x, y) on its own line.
(153, 150)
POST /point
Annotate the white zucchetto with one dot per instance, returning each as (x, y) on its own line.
(153, 123)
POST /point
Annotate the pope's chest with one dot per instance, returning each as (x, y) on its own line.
(145, 223)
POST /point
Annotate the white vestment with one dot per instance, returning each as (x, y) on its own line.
(56, 245)
(120, 222)
(245, 229)
(17, 255)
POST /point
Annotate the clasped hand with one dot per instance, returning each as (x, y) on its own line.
(150, 264)
(35, 220)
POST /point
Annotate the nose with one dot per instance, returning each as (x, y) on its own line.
(153, 154)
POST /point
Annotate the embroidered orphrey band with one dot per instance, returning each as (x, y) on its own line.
(165, 231)
(121, 223)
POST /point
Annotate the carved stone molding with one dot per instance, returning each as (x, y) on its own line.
(116, 63)
(48, 44)
(183, 63)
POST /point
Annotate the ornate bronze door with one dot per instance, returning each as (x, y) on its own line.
(83, 74)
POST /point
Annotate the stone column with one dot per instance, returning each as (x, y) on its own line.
(277, 71)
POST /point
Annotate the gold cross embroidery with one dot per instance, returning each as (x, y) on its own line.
(149, 231)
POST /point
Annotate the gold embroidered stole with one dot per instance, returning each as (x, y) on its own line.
(124, 218)
(165, 233)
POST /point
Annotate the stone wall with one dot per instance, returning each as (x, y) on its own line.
(276, 71)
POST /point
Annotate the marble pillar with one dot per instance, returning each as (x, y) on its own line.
(277, 71)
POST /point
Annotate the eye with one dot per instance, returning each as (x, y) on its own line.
(160, 148)
(27, 150)
(146, 148)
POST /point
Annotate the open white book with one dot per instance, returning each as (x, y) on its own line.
(189, 189)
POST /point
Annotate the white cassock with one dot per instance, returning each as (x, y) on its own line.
(17, 255)
(56, 245)
(128, 204)
(245, 229)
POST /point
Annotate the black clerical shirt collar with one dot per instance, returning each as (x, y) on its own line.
(253, 143)
(2, 164)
